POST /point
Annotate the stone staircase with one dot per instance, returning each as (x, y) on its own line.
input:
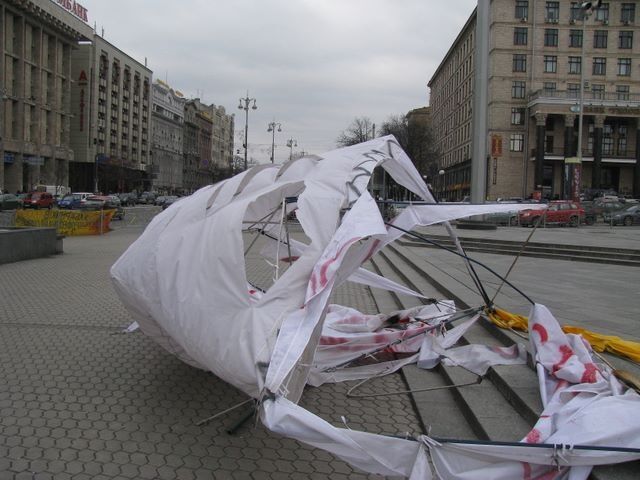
(576, 253)
(506, 404)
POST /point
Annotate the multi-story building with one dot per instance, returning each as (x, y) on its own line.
(222, 138)
(198, 128)
(110, 134)
(36, 41)
(538, 52)
(167, 142)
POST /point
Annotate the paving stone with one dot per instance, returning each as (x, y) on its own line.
(87, 402)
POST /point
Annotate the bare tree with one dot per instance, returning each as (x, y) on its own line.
(416, 139)
(360, 130)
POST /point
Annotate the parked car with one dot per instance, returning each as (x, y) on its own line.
(128, 199)
(159, 200)
(147, 198)
(104, 202)
(626, 217)
(73, 200)
(593, 193)
(601, 206)
(169, 200)
(562, 212)
(8, 201)
(39, 200)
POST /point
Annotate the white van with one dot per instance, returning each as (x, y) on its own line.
(58, 191)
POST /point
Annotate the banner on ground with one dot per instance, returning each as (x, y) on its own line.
(67, 222)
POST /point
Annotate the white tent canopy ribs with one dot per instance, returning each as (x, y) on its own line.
(184, 281)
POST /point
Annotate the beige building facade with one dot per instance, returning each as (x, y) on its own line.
(36, 81)
(167, 162)
(536, 62)
(110, 134)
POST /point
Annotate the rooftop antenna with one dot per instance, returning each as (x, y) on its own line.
(102, 34)
(95, 26)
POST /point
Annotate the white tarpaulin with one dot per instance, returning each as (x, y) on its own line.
(184, 282)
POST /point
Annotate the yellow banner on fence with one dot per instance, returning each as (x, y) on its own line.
(67, 222)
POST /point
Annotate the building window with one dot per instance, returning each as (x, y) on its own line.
(575, 65)
(516, 142)
(600, 39)
(599, 66)
(550, 37)
(575, 13)
(518, 89)
(522, 9)
(624, 67)
(520, 36)
(573, 90)
(550, 64)
(622, 140)
(552, 12)
(519, 63)
(517, 116)
(602, 13)
(548, 144)
(607, 139)
(597, 91)
(622, 92)
(628, 13)
(626, 40)
(575, 38)
(549, 87)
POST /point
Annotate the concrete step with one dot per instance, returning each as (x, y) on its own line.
(516, 383)
(517, 386)
(486, 411)
(618, 256)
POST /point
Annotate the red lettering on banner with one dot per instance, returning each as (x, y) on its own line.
(75, 8)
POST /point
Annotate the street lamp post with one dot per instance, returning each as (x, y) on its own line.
(244, 105)
(292, 142)
(272, 129)
(586, 8)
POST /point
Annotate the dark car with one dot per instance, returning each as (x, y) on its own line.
(71, 201)
(39, 200)
(626, 217)
(9, 201)
(128, 199)
(562, 212)
(103, 202)
(169, 200)
(148, 198)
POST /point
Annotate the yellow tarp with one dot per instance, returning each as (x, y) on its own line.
(67, 222)
(598, 341)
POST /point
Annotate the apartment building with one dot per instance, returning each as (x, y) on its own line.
(37, 42)
(222, 138)
(539, 51)
(110, 134)
(167, 143)
(198, 130)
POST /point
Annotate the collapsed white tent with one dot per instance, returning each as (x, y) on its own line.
(184, 282)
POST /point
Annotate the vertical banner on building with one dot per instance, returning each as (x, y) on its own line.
(572, 178)
(82, 83)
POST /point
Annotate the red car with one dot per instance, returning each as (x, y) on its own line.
(39, 200)
(562, 212)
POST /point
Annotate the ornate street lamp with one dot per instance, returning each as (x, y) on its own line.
(244, 105)
(292, 142)
(272, 129)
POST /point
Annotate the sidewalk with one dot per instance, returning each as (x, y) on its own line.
(80, 400)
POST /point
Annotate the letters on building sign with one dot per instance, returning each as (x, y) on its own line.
(81, 116)
(75, 8)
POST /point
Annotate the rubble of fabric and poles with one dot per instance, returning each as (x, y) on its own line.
(195, 301)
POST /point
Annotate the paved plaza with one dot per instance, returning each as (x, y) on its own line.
(79, 400)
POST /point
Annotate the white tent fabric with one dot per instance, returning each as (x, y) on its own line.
(184, 282)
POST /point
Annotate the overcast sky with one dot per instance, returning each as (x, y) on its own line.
(312, 65)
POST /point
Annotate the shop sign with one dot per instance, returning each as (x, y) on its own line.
(75, 8)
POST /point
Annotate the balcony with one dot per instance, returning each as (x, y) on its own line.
(591, 99)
